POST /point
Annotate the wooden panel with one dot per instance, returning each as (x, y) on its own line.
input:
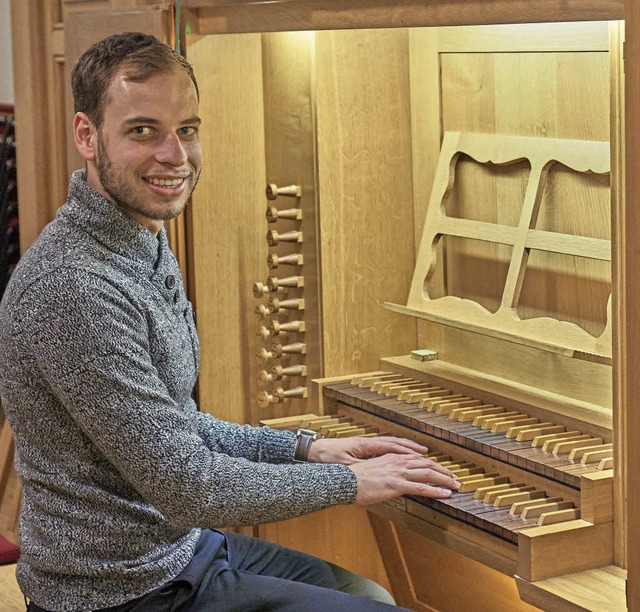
(629, 259)
(10, 489)
(356, 163)
(598, 590)
(219, 17)
(42, 180)
(10, 594)
(560, 549)
(514, 93)
(227, 221)
(341, 535)
(291, 158)
(618, 275)
(432, 577)
(364, 156)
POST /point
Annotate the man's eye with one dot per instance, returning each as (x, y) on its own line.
(141, 130)
(188, 131)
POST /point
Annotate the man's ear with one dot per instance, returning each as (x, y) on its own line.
(85, 136)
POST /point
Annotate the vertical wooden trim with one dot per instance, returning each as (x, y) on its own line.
(32, 26)
(617, 275)
(629, 355)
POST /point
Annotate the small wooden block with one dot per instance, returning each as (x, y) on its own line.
(553, 440)
(466, 471)
(381, 385)
(451, 465)
(395, 390)
(352, 433)
(327, 429)
(485, 422)
(437, 457)
(536, 511)
(606, 464)
(432, 403)
(490, 497)
(415, 397)
(596, 456)
(468, 487)
(482, 491)
(578, 453)
(519, 507)
(424, 355)
(414, 389)
(366, 382)
(291, 421)
(466, 415)
(447, 407)
(563, 448)
(357, 380)
(530, 434)
(508, 499)
(427, 401)
(513, 432)
(508, 424)
(559, 516)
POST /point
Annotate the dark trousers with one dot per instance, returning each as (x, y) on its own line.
(248, 574)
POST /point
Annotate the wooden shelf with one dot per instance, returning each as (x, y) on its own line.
(223, 16)
(597, 590)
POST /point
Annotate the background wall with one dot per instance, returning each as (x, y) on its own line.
(6, 71)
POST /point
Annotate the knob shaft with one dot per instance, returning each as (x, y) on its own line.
(274, 237)
(273, 214)
(278, 372)
(276, 328)
(273, 260)
(280, 394)
(297, 348)
(276, 305)
(273, 191)
(274, 283)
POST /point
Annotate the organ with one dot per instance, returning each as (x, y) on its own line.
(534, 456)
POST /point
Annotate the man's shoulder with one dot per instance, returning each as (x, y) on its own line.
(60, 258)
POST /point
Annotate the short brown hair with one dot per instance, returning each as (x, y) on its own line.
(139, 56)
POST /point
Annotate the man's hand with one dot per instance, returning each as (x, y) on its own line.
(396, 467)
(350, 450)
(392, 475)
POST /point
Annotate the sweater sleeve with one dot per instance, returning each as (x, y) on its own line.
(253, 443)
(91, 344)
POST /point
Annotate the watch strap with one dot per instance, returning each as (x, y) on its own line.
(304, 439)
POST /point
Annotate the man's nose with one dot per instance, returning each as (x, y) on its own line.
(171, 151)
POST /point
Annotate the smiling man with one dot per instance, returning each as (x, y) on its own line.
(141, 142)
(125, 481)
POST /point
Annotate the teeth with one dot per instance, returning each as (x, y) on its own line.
(165, 182)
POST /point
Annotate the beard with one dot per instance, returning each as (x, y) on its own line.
(120, 183)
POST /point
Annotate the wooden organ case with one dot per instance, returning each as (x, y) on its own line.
(511, 289)
(470, 168)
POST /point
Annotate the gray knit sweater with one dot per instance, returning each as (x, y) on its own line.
(98, 359)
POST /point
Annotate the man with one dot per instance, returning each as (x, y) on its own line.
(124, 480)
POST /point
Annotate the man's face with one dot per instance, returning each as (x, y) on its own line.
(148, 154)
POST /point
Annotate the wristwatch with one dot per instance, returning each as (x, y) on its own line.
(304, 439)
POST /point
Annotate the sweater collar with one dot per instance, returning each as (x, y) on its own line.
(109, 225)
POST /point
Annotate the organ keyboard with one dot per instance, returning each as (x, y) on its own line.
(536, 486)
